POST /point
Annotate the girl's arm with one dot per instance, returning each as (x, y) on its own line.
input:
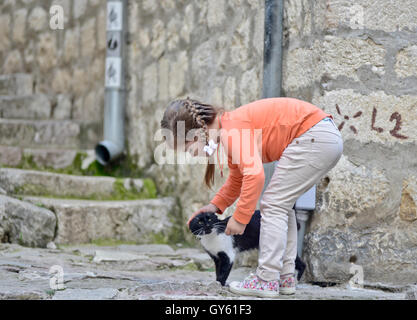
(246, 179)
(252, 185)
(230, 191)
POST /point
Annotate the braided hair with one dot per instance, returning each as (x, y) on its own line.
(196, 115)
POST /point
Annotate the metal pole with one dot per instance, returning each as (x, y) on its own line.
(272, 77)
(114, 138)
(272, 84)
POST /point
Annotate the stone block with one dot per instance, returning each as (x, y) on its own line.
(10, 156)
(158, 40)
(358, 221)
(79, 8)
(344, 56)
(88, 38)
(19, 26)
(250, 86)
(71, 44)
(47, 51)
(25, 223)
(47, 134)
(300, 69)
(62, 81)
(406, 64)
(178, 75)
(16, 84)
(4, 32)
(51, 158)
(38, 19)
(25, 107)
(39, 183)
(13, 62)
(141, 221)
(150, 83)
(215, 13)
(382, 15)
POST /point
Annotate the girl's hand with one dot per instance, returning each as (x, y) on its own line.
(208, 208)
(234, 227)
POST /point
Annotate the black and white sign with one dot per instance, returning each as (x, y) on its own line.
(113, 72)
(114, 16)
(114, 44)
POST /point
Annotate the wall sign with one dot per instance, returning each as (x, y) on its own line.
(114, 44)
(113, 72)
(114, 16)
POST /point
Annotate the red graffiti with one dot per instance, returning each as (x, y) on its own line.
(356, 115)
(377, 129)
(394, 117)
(394, 132)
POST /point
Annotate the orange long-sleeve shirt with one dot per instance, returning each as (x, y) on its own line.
(268, 126)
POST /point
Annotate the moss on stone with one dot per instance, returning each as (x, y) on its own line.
(149, 188)
(124, 166)
(110, 242)
(190, 266)
(121, 193)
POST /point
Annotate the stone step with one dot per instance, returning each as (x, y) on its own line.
(49, 134)
(41, 158)
(35, 106)
(25, 223)
(40, 183)
(140, 221)
(16, 84)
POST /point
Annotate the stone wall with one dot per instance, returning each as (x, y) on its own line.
(356, 60)
(57, 107)
(66, 66)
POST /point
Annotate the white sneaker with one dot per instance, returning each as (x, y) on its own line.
(287, 285)
(254, 286)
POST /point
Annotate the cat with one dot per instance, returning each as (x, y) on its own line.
(210, 230)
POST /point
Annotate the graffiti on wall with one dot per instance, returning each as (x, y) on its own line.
(395, 118)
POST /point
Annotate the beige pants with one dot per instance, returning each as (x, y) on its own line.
(303, 163)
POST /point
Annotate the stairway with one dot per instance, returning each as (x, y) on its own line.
(33, 127)
(86, 208)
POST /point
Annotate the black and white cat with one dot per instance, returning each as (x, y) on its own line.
(209, 229)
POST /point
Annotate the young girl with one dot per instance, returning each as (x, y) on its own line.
(307, 144)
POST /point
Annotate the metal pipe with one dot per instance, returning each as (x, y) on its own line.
(114, 137)
(272, 73)
(272, 78)
(272, 86)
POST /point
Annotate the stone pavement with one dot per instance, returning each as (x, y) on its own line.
(133, 272)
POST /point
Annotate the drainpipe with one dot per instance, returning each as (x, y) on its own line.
(272, 84)
(114, 138)
(272, 77)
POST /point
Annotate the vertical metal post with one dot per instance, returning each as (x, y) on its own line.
(113, 144)
(272, 84)
(272, 76)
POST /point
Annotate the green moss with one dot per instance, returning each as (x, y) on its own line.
(27, 163)
(120, 192)
(159, 238)
(191, 266)
(50, 293)
(124, 166)
(149, 188)
(20, 240)
(110, 242)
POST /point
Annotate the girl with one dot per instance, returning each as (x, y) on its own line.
(307, 144)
